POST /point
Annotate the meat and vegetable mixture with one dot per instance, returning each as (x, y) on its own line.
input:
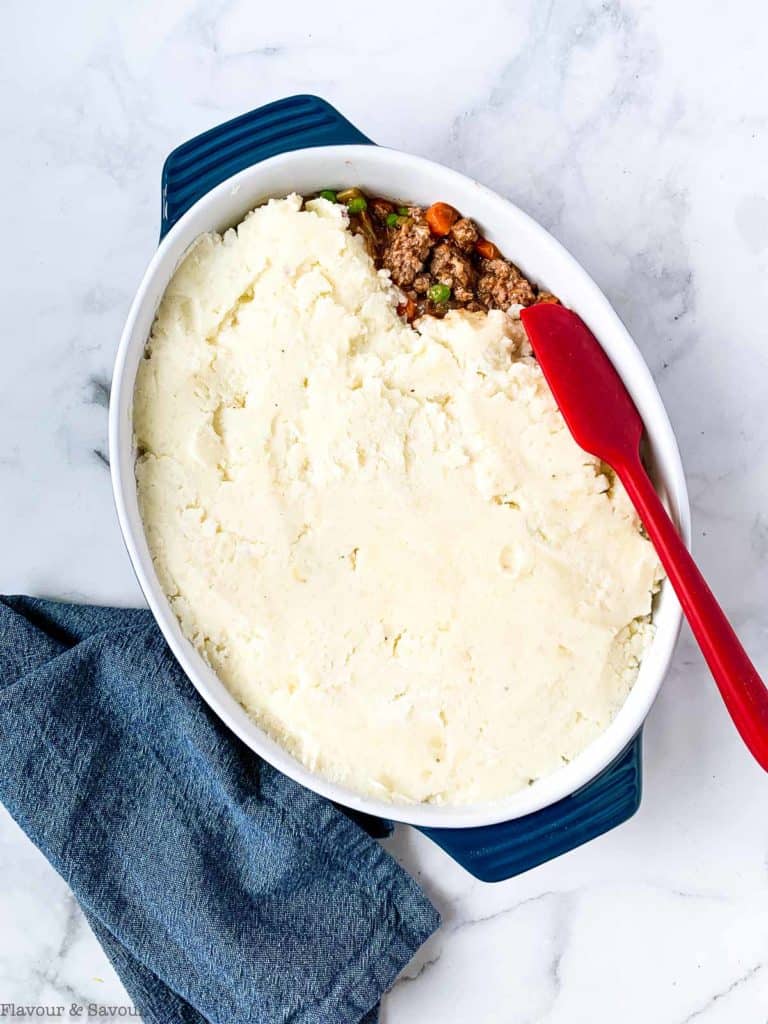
(438, 258)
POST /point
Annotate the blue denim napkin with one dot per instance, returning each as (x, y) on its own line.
(220, 890)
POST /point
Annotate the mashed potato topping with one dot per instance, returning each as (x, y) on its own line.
(382, 537)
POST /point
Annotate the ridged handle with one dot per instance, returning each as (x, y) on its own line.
(197, 166)
(495, 852)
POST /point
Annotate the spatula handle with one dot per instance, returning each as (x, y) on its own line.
(742, 689)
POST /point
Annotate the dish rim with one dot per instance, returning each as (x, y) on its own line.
(606, 324)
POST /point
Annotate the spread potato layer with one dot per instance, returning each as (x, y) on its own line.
(382, 537)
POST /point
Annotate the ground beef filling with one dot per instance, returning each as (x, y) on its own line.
(450, 266)
(500, 285)
(406, 249)
(438, 258)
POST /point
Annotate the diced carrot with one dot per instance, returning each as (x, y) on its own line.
(547, 297)
(441, 217)
(407, 309)
(486, 249)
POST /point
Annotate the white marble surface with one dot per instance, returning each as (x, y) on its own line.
(637, 132)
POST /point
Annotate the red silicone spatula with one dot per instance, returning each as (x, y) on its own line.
(604, 421)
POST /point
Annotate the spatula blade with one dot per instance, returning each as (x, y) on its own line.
(588, 390)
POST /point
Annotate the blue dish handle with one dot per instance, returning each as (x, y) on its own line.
(197, 166)
(493, 852)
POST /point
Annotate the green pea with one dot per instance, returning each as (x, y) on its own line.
(328, 194)
(358, 204)
(403, 211)
(439, 293)
(392, 220)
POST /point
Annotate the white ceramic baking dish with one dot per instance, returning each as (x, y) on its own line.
(387, 172)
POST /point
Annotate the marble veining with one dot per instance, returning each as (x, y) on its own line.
(635, 131)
